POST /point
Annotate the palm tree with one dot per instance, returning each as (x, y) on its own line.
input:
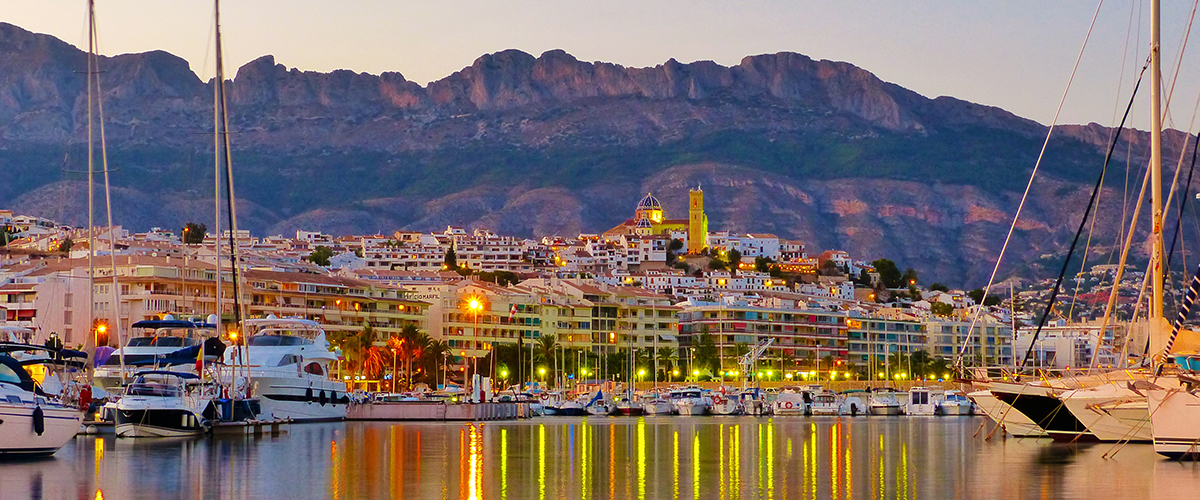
(666, 354)
(372, 363)
(435, 352)
(546, 346)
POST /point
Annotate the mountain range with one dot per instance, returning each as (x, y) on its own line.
(820, 151)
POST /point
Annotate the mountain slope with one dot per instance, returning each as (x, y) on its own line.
(817, 150)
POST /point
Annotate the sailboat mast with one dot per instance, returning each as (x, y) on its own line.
(112, 237)
(1156, 199)
(91, 181)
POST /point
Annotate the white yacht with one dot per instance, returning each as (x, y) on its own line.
(693, 401)
(790, 402)
(852, 404)
(725, 404)
(161, 404)
(152, 346)
(883, 401)
(655, 404)
(920, 402)
(824, 403)
(31, 423)
(953, 402)
(288, 366)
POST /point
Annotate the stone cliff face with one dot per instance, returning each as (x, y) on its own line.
(821, 151)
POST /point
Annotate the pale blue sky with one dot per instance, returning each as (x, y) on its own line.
(1014, 54)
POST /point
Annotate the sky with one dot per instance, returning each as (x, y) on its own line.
(1015, 54)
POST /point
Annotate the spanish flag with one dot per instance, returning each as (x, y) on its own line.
(200, 361)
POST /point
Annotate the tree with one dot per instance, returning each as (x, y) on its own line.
(66, 244)
(321, 256)
(502, 278)
(450, 262)
(909, 278)
(763, 264)
(941, 309)
(5, 235)
(864, 279)
(888, 273)
(193, 234)
(939, 287)
(716, 264)
(830, 268)
(706, 352)
(676, 244)
(733, 258)
(992, 300)
(666, 357)
(546, 349)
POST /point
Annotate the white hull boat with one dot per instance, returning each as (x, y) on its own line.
(31, 424)
(1175, 420)
(1011, 420)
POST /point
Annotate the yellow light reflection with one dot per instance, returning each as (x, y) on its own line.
(476, 463)
(849, 476)
(585, 469)
(833, 460)
(641, 427)
(675, 468)
(541, 460)
(503, 464)
(771, 460)
(696, 466)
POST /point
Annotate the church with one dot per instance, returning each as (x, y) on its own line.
(649, 219)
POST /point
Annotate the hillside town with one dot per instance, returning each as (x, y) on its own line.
(669, 285)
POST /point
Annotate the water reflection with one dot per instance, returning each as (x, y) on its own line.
(607, 458)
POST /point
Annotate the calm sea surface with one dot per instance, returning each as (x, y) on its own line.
(606, 458)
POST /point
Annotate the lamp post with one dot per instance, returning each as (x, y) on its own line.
(394, 369)
(474, 305)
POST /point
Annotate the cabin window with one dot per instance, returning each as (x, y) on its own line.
(314, 368)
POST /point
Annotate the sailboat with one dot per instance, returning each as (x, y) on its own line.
(1116, 406)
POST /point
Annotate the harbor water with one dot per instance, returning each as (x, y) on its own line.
(606, 458)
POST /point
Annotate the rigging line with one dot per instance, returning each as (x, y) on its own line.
(1182, 204)
(1086, 248)
(1029, 186)
(1083, 222)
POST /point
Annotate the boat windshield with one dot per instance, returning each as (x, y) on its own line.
(161, 341)
(153, 389)
(278, 340)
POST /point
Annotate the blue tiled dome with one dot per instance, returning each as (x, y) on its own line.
(649, 203)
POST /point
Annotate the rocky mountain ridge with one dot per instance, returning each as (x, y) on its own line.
(816, 150)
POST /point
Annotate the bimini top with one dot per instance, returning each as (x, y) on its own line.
(649, 202)
(183, 375)
(170, 323)
(273, 323)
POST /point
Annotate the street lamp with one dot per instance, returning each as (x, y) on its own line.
(475, 306)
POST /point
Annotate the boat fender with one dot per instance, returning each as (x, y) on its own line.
(308, 396)
(39, 420)
(323, 398)
(853, 409)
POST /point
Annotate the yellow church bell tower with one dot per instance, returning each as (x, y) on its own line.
(697, 222)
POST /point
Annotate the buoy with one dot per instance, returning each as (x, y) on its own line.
(39, 421)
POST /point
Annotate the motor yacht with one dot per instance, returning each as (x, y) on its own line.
(150, 345)
(953, 402)
(824, 403)
(724, 404)
(791, 402)
(852, 403)
(286, 363)
(164, 404)
(693, 401)
(31, 422)
(884, 401)
(655, 404)
(921, 401)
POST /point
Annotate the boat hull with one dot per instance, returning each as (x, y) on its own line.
(167, 422)
(1174, 414)
(885, 409)
(1011, 420)
(17, 436)
(1042, 406)
(293, 398)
